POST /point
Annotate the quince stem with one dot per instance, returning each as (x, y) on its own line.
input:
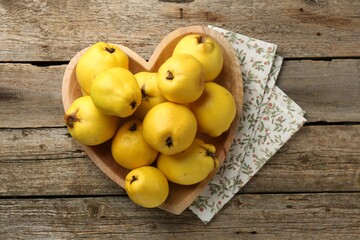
(170, 76)
(133, 104)
(133, 179)
(71, 119)
(169, 142)
(133, 127)
(201, 39)
(110, 50)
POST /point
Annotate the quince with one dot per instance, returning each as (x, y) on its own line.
(181, 78)
(87, 124)
(147, 186)
(214, 110)
(150, 92)
(169, 128)
(129, 149)
(190, 166)
(98, 58)
(116, 92)
(205, 49)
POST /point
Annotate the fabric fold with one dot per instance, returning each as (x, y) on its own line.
(268, 121)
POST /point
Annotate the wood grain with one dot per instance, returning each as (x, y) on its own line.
(30, 96)
(48, 162)
(33, 93)
(54, 31)
(50, 189)
(327, 90)
(269, 216)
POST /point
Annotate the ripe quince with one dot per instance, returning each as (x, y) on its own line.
(129, 149)
(181, 78)
(214, 110)
(150, 92)
(98, 58)
(205, 49)
(87, 124)
(169, 127)
(190, 166)
(147, 186)
(116, 92)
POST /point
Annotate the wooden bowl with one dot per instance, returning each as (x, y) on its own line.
(180, 197)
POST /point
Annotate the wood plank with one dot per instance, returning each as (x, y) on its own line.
(327, 91)
(332, 90)
(47, 161)
(30, 96)
(269, 216)
(55, 31)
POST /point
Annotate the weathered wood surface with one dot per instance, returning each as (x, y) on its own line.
(50, 189)
(33, 94)
(52, 31)
(328, 90)
(264, 216)
(47, 161)
(30, 96)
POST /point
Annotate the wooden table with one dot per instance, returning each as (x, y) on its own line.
(50, 189)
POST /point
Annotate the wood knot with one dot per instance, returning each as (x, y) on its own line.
(305, 158)
(237, 203)
(181, 11)
(96, 211)
(210, 16)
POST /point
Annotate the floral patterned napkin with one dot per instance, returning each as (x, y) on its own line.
(269, 119)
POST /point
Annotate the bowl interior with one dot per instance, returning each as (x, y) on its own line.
(180, 197)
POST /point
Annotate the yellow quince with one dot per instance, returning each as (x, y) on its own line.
(181, 78)
(98, 58)
(205, 49)
(190, 166)
(116, 92)
(169, 127)
(147, 186)
(150, 92)
(129, 149)
(87, 124)
(214, 110)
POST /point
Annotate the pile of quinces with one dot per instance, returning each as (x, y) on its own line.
(152, 118)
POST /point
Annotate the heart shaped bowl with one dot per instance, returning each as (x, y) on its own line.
(180, 197)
